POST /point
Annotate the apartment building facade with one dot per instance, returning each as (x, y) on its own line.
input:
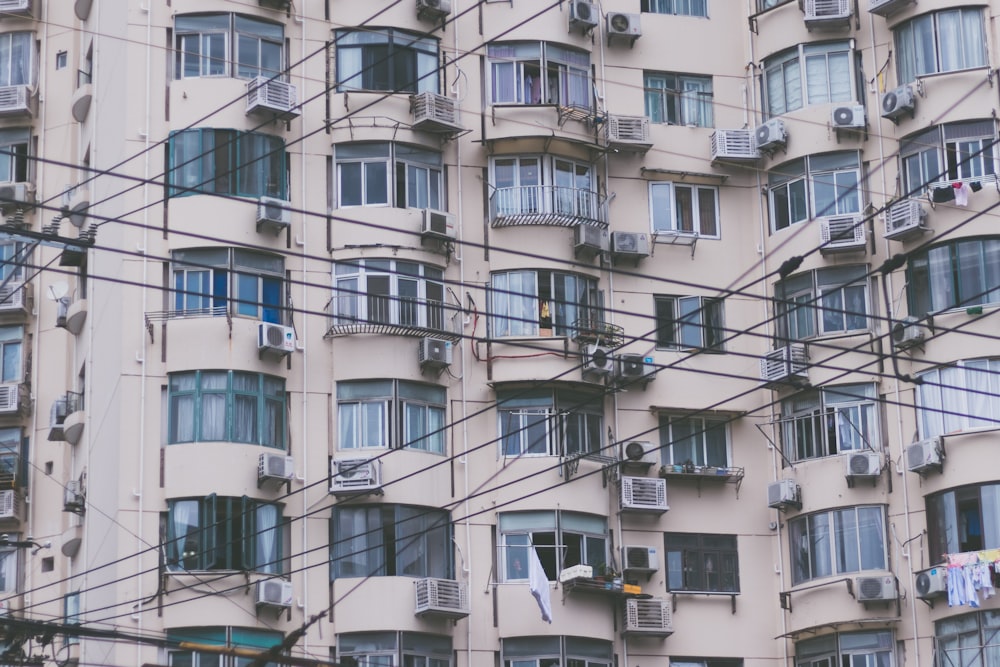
(376, 331)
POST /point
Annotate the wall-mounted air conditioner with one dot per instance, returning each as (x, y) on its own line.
(932, 583)
(434, 113)
(434, 353)
(272, 97)
(10, 504)
(904, 220)
(828, 13)
(17, 8)
(875, 589)
(848, 117)
(771, 135)
(274, 470)
(273, 214)
(74, 497)
(898, 102)
(908, 332)
(274, 594)
(641, 452)
(886, 7)
(640, 559)
(788, 365)
(649, 617)
(634, 369)
(16, 195)
(17, 101)
(597, 361)
(590, 240)
(862, 465)
(925, 455)
(355, 476)
(734, 145)
(15, 297)
(433, 9)
(841, 233)
(443, 598)
(437, 225)
(627, 133)
(14, 398)
(583, 15)
(275, 338)
(629, 245)
(644, 494)
(622, 26)
(783, 494)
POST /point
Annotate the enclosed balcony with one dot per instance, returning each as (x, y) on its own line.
(547, 205)
(392, 315)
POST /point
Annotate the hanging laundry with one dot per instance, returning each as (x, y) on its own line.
(941, 195)
(962, 191)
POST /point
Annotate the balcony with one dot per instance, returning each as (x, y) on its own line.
(391, 316)
(546, 205)
(67, 418)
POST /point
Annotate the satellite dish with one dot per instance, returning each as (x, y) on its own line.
(58, 290)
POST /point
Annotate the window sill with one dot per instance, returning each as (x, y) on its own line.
(934, 75)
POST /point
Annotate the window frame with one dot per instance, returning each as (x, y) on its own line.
(11, 568)
(836, 649)
(240, 174)
(951, 389)
(791, 64)
(678, 317)
(811, 424)
(561, 539)
(564, 414)
(940, 278)
(801, 179)
(243, 283)
(393, 292)
(690, 555)
(673, 98)
(554, 650)
(387, 173)
(680, 215)
(12, 353)
(12, 261)
(227, 535)
(699, 431)
(223, 636)
(953, 515)
(800, 303)
(967, 639)
(403, 50)
(908, 50)
(695, 8)
(562, 77)
(943, 154)
(393, 414)
(820, 528)
(523, 310)
(15, 155)
(20, 45)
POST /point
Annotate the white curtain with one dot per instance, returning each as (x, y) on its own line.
(213, 405)
(8, 571)
(184, 515)
(267, 540)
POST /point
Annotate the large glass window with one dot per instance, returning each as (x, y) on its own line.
(17, 56)
(942, 41)
(561, 539)
(697, 441)
(547, 422)
(706, 662)
(678, 99)
(219, 533)
(830, 421)
(821, 302)
(9, 569)
(14, 145)
(958, 397)
(227, 45)
(954, 274)
(522, 302)
(384, 174)
(12, 262)
(13, 466)
(232, 637)
(970, 640)
(947, 153)
(550, 651)
(539, 73)
(701, 562)
(808, 74)
(963, 519)
(850, 649)
(377, 413)
(814, 187)
(389, 292)
(533, 185)
(226, 162)
(684, 209)
(11, 338)
(840, 541)
(390, 541)
(678, 7)
(690, 322)
(394, 649)
(230, 406)
(217, 281)
(386, 59)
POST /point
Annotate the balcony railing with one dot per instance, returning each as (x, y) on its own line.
(546, 205)
(391, 315)
(828, 433)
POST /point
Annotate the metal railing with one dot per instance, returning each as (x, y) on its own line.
(546, 205)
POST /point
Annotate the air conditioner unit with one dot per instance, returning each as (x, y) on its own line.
(434, 353)
(434, 113)
(886, 7)
(651, 617)
(641, 452)
(635, 369)
(274, 469)
(925, 455)
(771, 135)
(737, 145)
(842, 233)
(437, 225)
(848, 117)
(14, 8)
(897, 102)
(597, 361)
(274, 593)
(17, 101)
(11, 394)
(932, 583)
(862, 464)
(629, 244)
(275, 4)
(875, 589)
(644, 494)
(904, 220)
(444, 598)
(16, 195)
(589, 240)
(627, 132)
(783, 494)
(275, 338)
(828, 13)
(273, 214)
(61, 409)
(584, 15)
(788, 364)
(640, 559)
(10, 504)
(433, 9)
(354, 476)
(15, 296)
(272, 97)
(623, 25)
(74, 497)
(908, 333)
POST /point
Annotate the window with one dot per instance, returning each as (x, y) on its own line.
(230, 406)
(233, 637)
(837, 542)
(763, 5)
(808, 74)
(694, 441)
(851, 649)
(390, 541)
(830, 421)
(375, 413)
(821, 302)
(689, 322)
(13, 466)
(701, 563)
(11, 338)
(539, 73)
(959, 397)
(386, 60)
(555, 651)
(969, 640)
(706, 662)
(217, 281)
(384, 174)
(943, 41)
(678, 99)
(533, 185)
(954, 274)
(228, 45)
(389, 292)
(948, 153)
(10, 569)
(550, 422)
(226, 162)
(680, 7)
(17, 50)
(218, 533)
(561, 539)
(395, 649)
(684, 209)
(814, 187)
(525, 301)
(962, 520)
(71, 614)
(14, 155)
(12, 261)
